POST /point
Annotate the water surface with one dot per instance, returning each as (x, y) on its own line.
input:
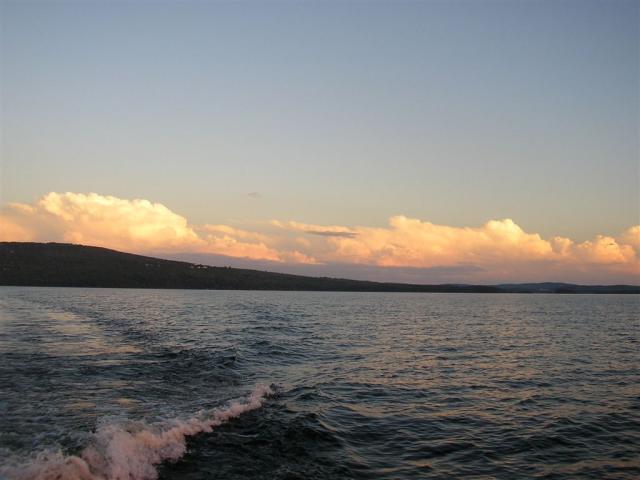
(350, 385)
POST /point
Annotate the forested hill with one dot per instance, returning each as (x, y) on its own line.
(66, 265)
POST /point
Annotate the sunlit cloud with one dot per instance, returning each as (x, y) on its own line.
(408, 242)
(94, 219)
(497, 246)
(131, 225)
(325, 230)
(235, 242)
(498, 250)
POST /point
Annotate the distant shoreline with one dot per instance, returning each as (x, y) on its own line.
(504, 292)
(26, 264)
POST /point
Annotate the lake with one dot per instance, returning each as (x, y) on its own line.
(181, 384)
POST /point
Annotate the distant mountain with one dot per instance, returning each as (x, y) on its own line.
(554, 287)
(66, 265)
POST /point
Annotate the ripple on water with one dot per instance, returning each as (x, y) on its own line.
(369, 386)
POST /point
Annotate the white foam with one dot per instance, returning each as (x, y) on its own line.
(118, 452)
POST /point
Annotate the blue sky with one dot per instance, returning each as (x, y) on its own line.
(340, 113)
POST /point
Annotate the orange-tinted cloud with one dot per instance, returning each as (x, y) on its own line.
(498, 250)
(499, 247)
(94, 219)
(129, 225)
(410, 242)
(324, 230)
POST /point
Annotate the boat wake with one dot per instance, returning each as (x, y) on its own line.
(132, 452)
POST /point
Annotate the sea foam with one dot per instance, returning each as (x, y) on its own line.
(123, 452)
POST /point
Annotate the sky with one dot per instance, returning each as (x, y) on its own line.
(434, 141)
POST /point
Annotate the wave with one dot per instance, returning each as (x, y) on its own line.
(132, 452)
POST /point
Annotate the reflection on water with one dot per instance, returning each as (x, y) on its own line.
(366, 385)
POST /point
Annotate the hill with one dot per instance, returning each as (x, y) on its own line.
(67, 265)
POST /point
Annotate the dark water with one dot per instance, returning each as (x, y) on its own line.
(103, 384)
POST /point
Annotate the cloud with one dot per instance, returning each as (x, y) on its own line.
(329, 233)
(235, 242)
(323, 231)
(94, 219)
(632, 237)
(131, 225)
(498, 250)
